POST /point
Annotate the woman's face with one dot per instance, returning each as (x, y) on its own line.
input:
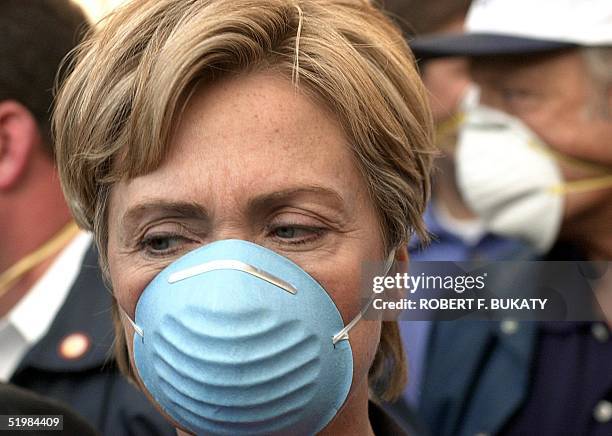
(252, 159)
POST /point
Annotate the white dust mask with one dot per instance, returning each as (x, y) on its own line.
(507, 179)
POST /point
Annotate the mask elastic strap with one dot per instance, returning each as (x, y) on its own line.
(9, 277)
(135, 326)
(584, 185)
(448, 128)
(343, 335)
(574, 186)
(570, 160)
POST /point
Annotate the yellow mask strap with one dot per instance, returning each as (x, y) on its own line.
(585, 185)
(448, 128)
(572, 161)
(576, 186)
(32, 260)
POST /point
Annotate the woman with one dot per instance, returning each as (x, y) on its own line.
(238, 162)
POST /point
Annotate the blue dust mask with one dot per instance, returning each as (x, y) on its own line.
(233, 338)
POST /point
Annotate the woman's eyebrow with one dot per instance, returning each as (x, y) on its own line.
(135, 214)
(133, 217)
(326, 196)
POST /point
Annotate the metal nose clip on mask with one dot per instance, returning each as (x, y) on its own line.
(233, 338)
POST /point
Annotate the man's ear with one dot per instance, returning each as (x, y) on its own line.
(19, 135)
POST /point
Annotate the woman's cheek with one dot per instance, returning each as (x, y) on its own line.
(129, 283)
(343, 283)
(345, 290)
(364, 339)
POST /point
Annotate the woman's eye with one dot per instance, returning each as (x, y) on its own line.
(159, 244)
(163, 244)
(296, 234)
(286, 232)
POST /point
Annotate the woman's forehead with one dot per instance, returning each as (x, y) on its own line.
(250, 137)
(251, 112)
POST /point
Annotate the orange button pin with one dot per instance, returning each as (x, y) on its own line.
(74, 346)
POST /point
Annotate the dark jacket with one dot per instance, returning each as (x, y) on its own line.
(383, 424)
(16, 401)
(90, 384)
(477, 376)
(478, 373)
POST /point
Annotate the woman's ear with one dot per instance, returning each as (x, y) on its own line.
(19, 135)
(401, 259)
(401, 253)
(397, 260)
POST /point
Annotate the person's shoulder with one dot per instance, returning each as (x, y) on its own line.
(18, 401)
(384, 424)
(129, 412)
(73, 362)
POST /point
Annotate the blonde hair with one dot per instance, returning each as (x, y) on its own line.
(130, 81)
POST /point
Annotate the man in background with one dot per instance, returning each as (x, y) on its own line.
(55, 326)
(458, 234)
(544, 174)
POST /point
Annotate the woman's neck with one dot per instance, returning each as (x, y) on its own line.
(353, 418)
